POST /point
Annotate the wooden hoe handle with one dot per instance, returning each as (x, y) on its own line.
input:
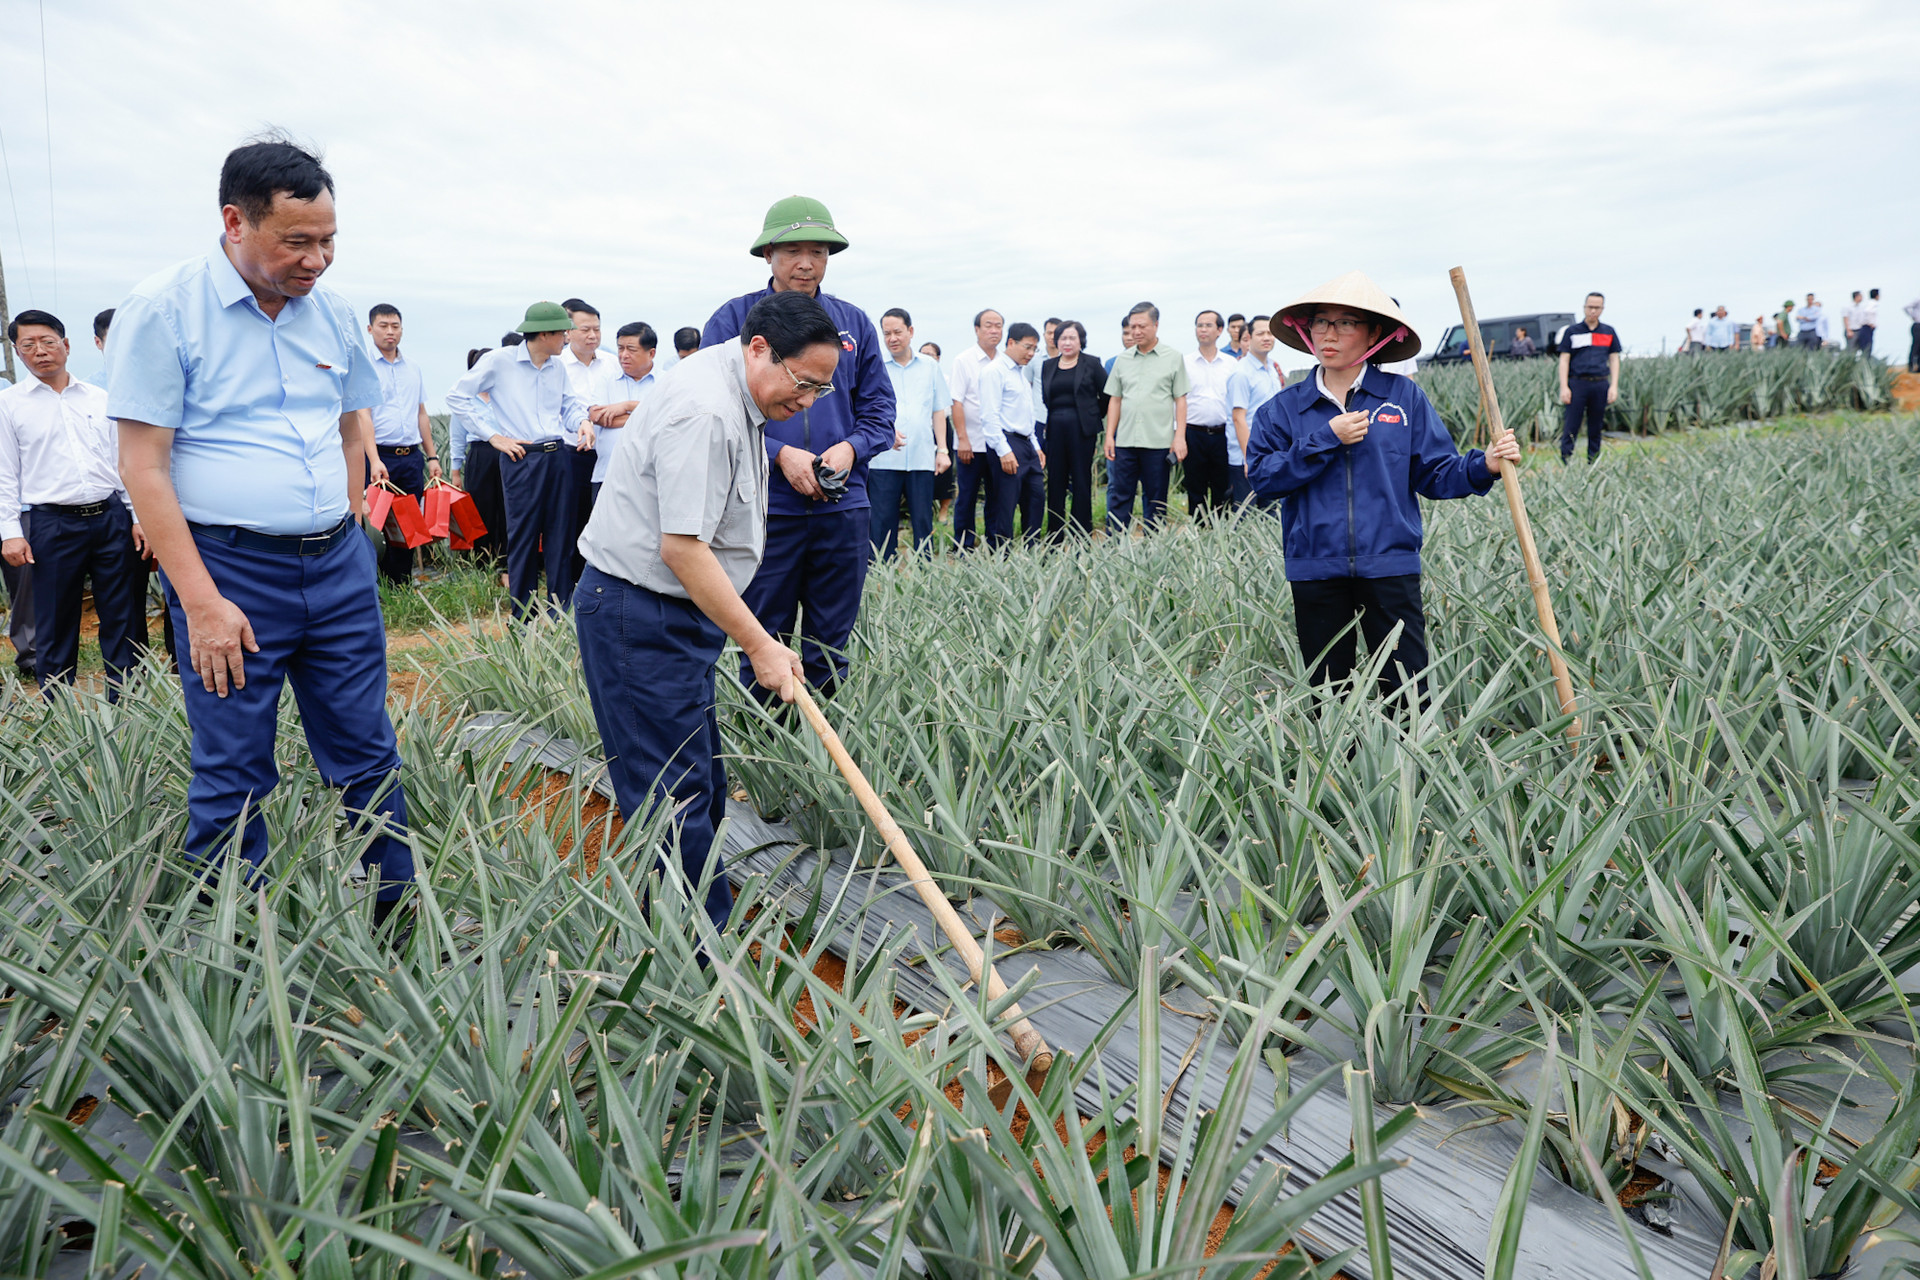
(1026, 1041)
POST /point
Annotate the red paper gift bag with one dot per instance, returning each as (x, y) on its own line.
(379, 504)
(434, 505)
(464, 525)
(413, 524)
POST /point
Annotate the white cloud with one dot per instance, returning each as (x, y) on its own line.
(1060, 161)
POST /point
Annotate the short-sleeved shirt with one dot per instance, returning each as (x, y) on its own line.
(919, 392)
(1147, 383)
(965, 388)
(694, 462)
(254, 402)
(1588, 348)
(396, 419)
(1207, 404)
(1252, 385)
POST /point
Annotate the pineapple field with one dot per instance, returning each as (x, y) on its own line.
(1337, 986)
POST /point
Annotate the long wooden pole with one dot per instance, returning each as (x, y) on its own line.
(1517, 507)
(5, 316)
(1027, 1042)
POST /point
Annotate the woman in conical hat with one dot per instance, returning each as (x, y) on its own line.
(1349, 452)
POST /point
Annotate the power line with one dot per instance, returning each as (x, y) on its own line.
(19, 228)
(46, 110)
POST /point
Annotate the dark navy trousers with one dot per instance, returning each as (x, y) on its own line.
(540, 511)
(1025, 492)
(886, 491)
(971, 484)
(812, 573)
(407, 471)
(69, 549)
(317, 621)
(1135, 468)
(1589, 400)
(649, 666)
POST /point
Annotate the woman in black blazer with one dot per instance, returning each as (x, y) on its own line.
(1073, 387)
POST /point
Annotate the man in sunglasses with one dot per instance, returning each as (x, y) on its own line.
(817, 512)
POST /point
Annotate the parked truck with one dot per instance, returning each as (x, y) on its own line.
(1498, 333)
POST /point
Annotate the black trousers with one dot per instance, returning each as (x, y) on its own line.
(539, 492)
(970, 488)
(1024, 491)
(68, 551)
(1070, 476)
(408, 471)
(1323, 614)
(1209, 480)
(1590, 399)
(482, 476)
(1913, 349)
(584, 494)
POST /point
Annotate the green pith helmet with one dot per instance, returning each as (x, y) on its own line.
(544, 317)
(797, 219)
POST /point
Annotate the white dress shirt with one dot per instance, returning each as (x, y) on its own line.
(1697, 332)
(529, 402)
(55, 446)
(1207, 404)
(965, 385)
(620, 390)
(591, 379)
(1006, 404)
(1867, 313)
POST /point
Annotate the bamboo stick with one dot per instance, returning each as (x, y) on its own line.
(1517, 508)
(1027, 1042)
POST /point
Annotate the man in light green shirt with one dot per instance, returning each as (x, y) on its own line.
(1146, 417)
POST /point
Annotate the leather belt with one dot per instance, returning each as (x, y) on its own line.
(1206, 426)
(297, 544)
(399, 450)
(84, 509)
(545, 446)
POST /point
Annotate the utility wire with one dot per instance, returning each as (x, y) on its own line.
(19, 228)
(46, 109)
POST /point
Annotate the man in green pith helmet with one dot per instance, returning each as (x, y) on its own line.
(817, 512)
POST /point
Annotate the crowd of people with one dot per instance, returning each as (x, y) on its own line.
(742, 496)
(1807, 325)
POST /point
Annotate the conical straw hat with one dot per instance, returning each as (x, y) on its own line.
(1352, 290)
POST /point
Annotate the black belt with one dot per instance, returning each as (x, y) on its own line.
(400, 450)
(296, 544)
(84, 509)
(1206, 426)
(1590, 377)
(545, 446)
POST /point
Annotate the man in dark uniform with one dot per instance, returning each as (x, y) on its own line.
(817, 518)
(1589, 376)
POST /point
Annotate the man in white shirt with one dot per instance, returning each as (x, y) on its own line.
(1208, 472)
(60, 462)
(634, 346)
(590, 370)
(1866, 319)
(1006, 427)
(402, 433)
(971, 482)
(1696, 340)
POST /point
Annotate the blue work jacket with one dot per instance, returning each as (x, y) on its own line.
(860, 408)
(1353, 511)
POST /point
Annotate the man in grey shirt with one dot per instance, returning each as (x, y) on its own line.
(677, 533)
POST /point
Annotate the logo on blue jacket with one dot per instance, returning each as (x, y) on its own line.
(1389, 415)
(846, 342)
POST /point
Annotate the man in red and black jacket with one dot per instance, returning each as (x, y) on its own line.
(1589, 376)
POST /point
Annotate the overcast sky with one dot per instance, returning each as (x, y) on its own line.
(1048, 159)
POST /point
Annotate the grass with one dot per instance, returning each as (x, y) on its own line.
(1690, 924)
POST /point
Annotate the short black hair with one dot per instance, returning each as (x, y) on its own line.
(1235, 316)
(934, 345)
(103, 322)
(1699, 311)
(382, 309)
(258, 170)
(649, 340)
(790, 321)
(687, 338)
(982, 314)
(474, 354)
(1218, 322)
(898, 313)
(45, 319)
(572, 305)
(1595, 293)
(512, 339)
(1873, 293)
(1020, 331)
(1257, 319)
(1145, 309)
(1077, 327)
(1053, 322)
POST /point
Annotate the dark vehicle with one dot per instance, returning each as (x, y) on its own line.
(1497, 333)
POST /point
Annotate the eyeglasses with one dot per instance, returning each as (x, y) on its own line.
(803, 386)
(37, 344)
(1345, 325)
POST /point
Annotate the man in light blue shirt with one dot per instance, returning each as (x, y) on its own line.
(402, 433)
(1721, 331)
(1016, 479)
(1255, 381)
(906, 472)
(542, 423)
(238, 383)
(630, 383)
